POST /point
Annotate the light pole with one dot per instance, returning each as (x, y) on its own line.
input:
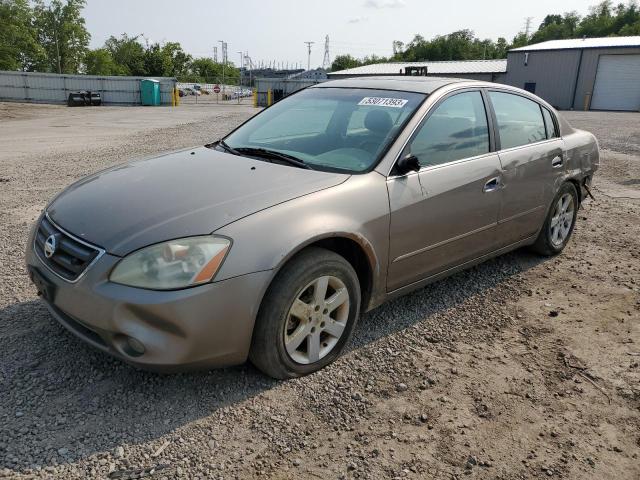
(240, 65)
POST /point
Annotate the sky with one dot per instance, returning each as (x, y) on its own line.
(275, 30)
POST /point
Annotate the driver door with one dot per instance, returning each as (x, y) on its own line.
(445, 214)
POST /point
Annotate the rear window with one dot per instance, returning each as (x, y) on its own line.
(520, 120)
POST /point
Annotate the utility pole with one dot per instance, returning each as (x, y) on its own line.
(55, 37)
(309, 54)
(326, 62)
(240, 68)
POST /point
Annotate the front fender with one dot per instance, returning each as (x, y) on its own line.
(357, 210)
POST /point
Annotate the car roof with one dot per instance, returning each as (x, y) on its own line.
(399, 82)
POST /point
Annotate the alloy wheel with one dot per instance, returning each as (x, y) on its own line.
(317, 319)
(561, 220)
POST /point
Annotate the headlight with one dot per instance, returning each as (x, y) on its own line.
(175, 264)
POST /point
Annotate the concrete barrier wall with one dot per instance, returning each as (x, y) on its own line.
(53, 88)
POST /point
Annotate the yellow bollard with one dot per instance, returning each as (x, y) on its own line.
(255, 97)
(177, 96)
(173, 97)
(269, 98)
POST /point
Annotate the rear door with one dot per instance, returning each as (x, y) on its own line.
(532, 157)
(446, 213)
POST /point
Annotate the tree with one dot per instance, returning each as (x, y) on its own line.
(156, 63)
(501, 48)
(520, 40)
(627, 19)
(127, 53)
(168, 60)
(397, 46)
(62, 34)
(459, 45)
(100, 62)
(342, 62)
(599, 22)
(19, 49)
(556, 27)
(206, 68)
(180, 61)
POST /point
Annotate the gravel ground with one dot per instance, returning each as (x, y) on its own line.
(519, 368)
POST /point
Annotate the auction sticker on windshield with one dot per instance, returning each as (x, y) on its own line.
(384, 102)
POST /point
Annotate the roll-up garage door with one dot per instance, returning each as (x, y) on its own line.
(617, 83)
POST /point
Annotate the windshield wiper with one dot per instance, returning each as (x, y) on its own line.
(262, 152)
(273, 154)
(227, 148)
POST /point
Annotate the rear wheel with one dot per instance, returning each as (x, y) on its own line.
(559, 223)
(307, 316)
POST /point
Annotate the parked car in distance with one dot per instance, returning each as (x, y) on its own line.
(270, 243)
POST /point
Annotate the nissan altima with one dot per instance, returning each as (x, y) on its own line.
(270, 243)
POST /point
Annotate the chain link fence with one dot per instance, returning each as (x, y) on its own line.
(261, 93)
(270, 90)
(216, 90)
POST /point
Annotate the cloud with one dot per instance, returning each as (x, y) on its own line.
(378, 4)
(358, 20)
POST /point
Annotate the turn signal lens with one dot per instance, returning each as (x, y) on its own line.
(172, 265)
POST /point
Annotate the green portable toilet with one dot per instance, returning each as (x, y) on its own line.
(150, 91)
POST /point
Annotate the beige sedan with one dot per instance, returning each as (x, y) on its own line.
(270, 243)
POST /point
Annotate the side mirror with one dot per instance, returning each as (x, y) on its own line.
(408, 163)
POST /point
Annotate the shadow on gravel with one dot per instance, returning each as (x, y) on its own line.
(61, 401)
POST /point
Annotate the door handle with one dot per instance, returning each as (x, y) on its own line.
(556, 162)
(492, 185)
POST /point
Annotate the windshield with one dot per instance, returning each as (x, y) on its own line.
(343, 129)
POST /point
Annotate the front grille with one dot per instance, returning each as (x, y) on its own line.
(70, 258)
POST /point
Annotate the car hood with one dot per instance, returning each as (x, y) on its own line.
(191, 192)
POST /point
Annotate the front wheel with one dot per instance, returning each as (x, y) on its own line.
(559, 223)
(307, 315)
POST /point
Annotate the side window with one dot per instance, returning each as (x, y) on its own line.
(456, 129)
(519, 119)
(548, 122)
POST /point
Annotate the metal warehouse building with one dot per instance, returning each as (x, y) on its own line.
(488, 70)
(581, 74)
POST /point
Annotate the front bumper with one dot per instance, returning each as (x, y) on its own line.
(194, 328)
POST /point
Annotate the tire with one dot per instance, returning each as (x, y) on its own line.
(557, 230)
(277, 330)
